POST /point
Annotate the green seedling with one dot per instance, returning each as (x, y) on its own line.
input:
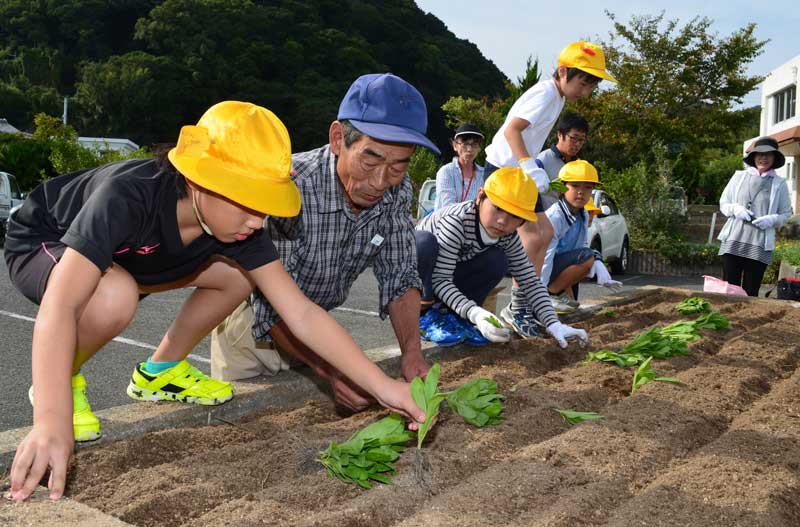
(572, 417)
(693, 305)
(477, 402)
(369, 454)
(645, 374)
(620, 359)
(713, 320)
(493, 321)
(557, 186)
(428, 399)
(682, 330)
(610, 313)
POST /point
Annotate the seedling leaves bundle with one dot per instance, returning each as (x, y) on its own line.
(573, 417)
(493, 321)
(477, 402)
(428, 399)
(369, 454)
(645, 374)
(693, 305)
(557, 186)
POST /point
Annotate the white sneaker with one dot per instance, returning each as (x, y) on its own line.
(561, 304)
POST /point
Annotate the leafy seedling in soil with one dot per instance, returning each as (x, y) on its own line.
(620, 359)
(369, 454)
(428, 399)
(645, 374)
(557, 186)
(693, 305)
(493, 321)
(610, 313)
(477, 402)
(573, 417)
(713, 320)
(682, 330)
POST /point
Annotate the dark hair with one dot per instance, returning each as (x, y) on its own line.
(573, 72)
(163, 163)
(572, 121)
(351, 134)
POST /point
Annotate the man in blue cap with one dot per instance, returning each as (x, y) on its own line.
(356, 213)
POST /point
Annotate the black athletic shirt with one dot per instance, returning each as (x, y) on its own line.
(124, 213)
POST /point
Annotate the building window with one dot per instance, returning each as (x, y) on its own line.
(784, 103)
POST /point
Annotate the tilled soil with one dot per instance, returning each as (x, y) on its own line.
(720, 449)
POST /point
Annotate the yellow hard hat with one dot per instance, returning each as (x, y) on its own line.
(586, 57)
(578, 171)
(513, 191)
(591, 208)
(240, 151)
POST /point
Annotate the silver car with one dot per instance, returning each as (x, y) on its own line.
(608, 233)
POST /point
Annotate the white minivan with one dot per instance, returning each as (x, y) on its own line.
(10, 197)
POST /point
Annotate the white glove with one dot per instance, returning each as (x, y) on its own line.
(478, 316)
(562, 332)
(537, 174)
(741, 213)
(765, 222)
(604, 277)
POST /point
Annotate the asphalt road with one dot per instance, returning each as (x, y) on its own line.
(108, 373)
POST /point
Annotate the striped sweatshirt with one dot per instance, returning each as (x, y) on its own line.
(456, 228)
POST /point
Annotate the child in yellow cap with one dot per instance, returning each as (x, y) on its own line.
(569, 259)
(86, 246)
(463, 252)
(581, 67)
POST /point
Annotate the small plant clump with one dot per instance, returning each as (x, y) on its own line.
(574, 417)
(557, 186)
(645, 374)
(693, 305)
(369, 454)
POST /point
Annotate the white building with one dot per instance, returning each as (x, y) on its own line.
(780, 120)
(108, 144)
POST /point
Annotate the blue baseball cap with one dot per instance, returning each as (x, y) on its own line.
(385, 107)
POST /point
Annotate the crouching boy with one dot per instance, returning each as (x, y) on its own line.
(463, 252)
(569, 259)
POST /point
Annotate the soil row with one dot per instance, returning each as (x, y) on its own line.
(666, 448)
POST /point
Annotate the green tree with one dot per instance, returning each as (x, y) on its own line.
(678, 86)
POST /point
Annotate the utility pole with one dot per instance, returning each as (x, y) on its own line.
(66, 105)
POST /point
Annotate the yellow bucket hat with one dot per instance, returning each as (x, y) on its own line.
(240, 151)
(579, 171)
(513, 191)
(586, 57)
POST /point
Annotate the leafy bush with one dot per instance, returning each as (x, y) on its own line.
(643, 194)
(28, 159)
(715, 174)
(423, 166)
(688, 253)
(788, 251)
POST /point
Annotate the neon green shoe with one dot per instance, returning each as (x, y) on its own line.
(183, 382)
(85, 425)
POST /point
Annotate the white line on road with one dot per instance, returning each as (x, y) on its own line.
(358, 311)
(122, 340)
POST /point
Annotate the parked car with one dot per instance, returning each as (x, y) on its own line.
(608, 233)
(10, 197)
(427, 198)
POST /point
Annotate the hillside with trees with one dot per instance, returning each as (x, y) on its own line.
(142, 68)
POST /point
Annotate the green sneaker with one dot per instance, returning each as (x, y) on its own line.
(85, 425)
(183, 382)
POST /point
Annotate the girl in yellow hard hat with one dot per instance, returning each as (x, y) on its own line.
(568, 258)
(86, 246)
(463, 252)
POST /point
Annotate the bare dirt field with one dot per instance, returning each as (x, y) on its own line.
(720, 449)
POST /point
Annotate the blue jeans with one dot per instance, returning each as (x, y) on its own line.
(568, 258)
(474, 278)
